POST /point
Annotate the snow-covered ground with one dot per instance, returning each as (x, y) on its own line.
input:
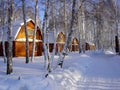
(89, 71)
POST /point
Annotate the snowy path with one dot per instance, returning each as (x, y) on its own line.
(90, 71)
(94, 84)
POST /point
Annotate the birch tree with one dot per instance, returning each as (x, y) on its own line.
(26, 32)
(83, 27)
(48, 63)
(54, 29)
(67, 44)
(65, 19)
(45, 39)
(114, 11)
(36, 24)
(79, 29)
(9, 51)
(43, 34)
(99, 27)
(3, 29)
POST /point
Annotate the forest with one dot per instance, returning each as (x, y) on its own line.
(96, 22)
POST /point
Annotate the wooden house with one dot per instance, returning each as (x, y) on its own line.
(90, 46)
(60, 42)
(87, 46)
(75, 44)
(19, 39)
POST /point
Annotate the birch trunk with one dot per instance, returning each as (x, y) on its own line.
(117, 48)
(117, 35)
(9, 51)
(79, 30)
(83, 28)
(34, 34)
(114, 11)
(45, 39)
(54, 29)
(3, 24)
(47, 46)
(65, 50)
(26, 32)
(65, 19)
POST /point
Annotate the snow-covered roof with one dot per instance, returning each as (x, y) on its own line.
(58, 32)
(90, 43)
(73, 37)
(51, 38)
(15, 29)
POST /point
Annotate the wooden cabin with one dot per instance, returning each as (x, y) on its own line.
(87, 46)
(75, 44)
(19, 40)
(90, 46)
(60, 42)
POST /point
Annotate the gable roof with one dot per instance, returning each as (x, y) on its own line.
(51, 37)
(15, 29)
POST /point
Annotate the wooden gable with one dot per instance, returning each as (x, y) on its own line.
(60, 38)
(75, 41)
(30, 28)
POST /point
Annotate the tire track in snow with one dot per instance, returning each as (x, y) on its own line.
(84, 82)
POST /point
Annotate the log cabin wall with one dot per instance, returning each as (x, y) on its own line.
(87, 46)
(20, 49)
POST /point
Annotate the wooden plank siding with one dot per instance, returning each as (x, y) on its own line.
(1, 48)
(20, 49)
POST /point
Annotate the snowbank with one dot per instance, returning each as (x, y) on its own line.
(90, 71)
